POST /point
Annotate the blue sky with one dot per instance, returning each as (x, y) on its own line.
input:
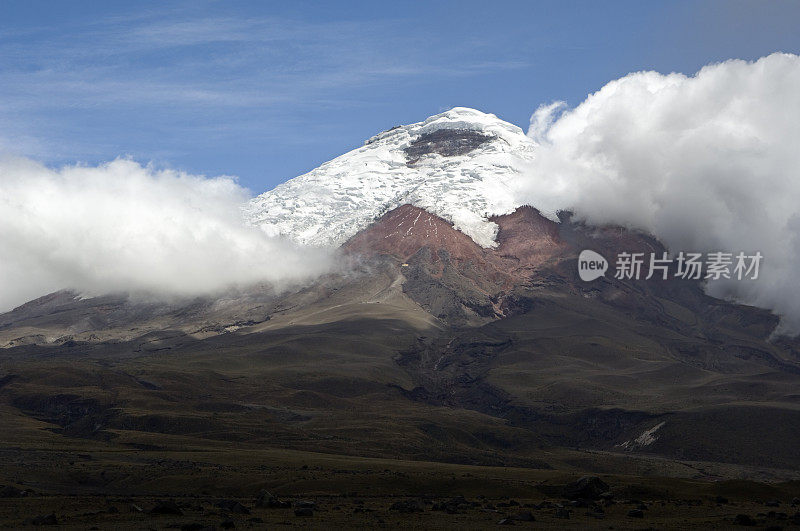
(269, 90)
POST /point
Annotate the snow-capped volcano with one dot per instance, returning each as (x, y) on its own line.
(459, 165)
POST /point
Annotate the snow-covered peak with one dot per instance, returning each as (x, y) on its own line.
(458, 118)
(458, 165)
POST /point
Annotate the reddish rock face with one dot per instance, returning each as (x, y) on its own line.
(460, 282)
(526, 240)
(405, 230)
(453, 277)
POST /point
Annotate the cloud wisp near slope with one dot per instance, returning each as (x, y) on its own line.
(125, 227)
(705, 163)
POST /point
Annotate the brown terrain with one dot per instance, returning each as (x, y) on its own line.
(430, 383)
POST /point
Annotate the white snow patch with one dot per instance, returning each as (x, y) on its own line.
(647, 438)
(345, 195)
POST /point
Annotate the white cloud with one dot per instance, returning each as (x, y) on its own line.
(708, 162)
(124, 227)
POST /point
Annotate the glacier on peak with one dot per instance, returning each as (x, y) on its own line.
(464, 177)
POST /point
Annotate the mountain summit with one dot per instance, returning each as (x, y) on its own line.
(457, 329)
(458, 165)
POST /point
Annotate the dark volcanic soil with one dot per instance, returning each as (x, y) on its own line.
(431, 369)
(446, 142)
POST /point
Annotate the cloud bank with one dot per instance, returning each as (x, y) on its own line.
(125, 227)
(709, 162)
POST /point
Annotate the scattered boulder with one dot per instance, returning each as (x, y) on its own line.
(304, 511)
(777, 515)
(562, 513)
(506, 521)
(635, 513)
(453, 506)
(305, 504)
(233, 506)
(272, 502)
(266, 500)
(587, 488)
(595, 511)
(408, 506)
(7, 491)
(166, 507)
(509, 503)
(525, 516)
(744, 519)
(227, 524)
(49, 519)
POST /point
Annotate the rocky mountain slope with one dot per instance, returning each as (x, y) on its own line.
(505, 340)
(471, 343)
